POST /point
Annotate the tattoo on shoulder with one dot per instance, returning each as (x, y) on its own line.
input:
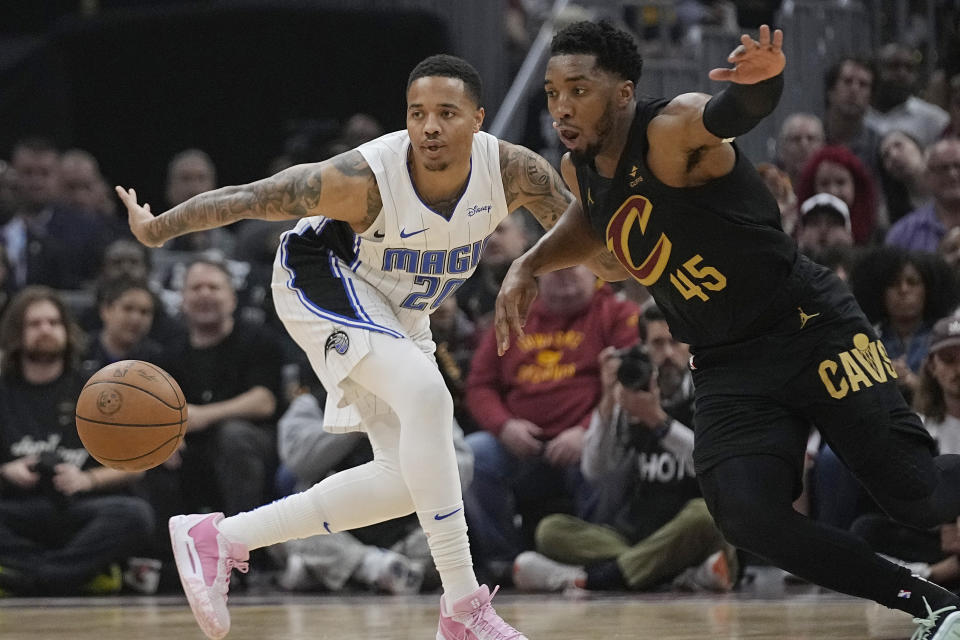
(529, 181)
(353, 165)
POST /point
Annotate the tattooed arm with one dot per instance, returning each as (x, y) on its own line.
(341, 188)
(530, 182)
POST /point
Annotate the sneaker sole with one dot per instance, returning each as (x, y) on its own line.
(193, 585)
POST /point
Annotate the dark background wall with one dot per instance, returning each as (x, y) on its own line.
(134, 86)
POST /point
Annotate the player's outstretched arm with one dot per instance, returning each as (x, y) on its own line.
(342, 188)
(694, 125)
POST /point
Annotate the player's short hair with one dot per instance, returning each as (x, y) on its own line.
(447, 66)
(615, 49)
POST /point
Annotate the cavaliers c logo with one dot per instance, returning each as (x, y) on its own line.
(635, 211)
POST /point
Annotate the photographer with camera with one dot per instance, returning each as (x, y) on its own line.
(650, 525)
(64, 520)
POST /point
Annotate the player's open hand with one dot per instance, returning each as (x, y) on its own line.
(754, 60)
(138, 216)
(517, 292)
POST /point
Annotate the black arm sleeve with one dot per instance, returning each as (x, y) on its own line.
(739, 107)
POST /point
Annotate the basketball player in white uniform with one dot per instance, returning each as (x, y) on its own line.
(388, 231)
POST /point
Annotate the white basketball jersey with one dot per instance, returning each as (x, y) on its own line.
(413, 255)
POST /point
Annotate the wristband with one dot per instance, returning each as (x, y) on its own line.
(740, 107)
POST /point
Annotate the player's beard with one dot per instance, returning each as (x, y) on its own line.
(604, 124)
(435, 165)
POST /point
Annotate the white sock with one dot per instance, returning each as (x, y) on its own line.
(446, 531)
(354, 498)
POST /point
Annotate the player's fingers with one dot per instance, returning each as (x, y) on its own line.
(722, 75)
(764, 35)
(778, 39)
(737, 53)
(501, 327)
(146, 206)
(747, 42)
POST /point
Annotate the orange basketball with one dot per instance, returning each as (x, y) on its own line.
(131, 415)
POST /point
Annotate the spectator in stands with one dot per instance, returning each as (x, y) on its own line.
(130, 260)
(848, 85)
(938, 402)
(780, 186)
(835, 170)
(534, 405)
(904, 293)
(901, 174)
(230, 375)
(85, 188)
(391, 556)
(477, 295)
(824, 223)
(894, 104)
(923, 229)
(652, 526)
(46, 242)
(64, 519)
(189, 173)
(126, 309)
(801, 135)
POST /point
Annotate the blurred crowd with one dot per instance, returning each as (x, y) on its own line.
(574, 448)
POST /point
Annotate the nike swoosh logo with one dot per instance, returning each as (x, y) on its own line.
(404, 234)
(378, 234)
(445, 515)
(326, 525)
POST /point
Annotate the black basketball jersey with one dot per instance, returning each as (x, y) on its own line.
(712, 256)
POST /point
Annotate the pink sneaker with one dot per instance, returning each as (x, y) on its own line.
(473, 618)
(204, 560)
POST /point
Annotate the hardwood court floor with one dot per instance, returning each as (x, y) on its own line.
(324, 617)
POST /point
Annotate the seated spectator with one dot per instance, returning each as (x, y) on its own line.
(64, 519)
(230, 375)
(130, 260)
(835, 170)
(47, 242)
(392, 556)
(189, 173)
(848, 87)
(654, 527)
(126, 310)
(924, 228)
(9, 199)
(534, 405)
(824, 223)
(479, 293)
(930, 554)
(895, 105)
(904, 293)
(902, 174)
(85, 188)
(801, 135)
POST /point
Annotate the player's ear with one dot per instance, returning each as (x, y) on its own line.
(478, 119)
(625, 92)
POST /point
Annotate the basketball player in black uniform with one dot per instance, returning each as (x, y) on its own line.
(778, 341)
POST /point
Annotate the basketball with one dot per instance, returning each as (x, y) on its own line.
(131, 415)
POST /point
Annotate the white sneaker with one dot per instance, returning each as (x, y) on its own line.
(942, 624)
(533, 571)
(713, 574)
(205, 559)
